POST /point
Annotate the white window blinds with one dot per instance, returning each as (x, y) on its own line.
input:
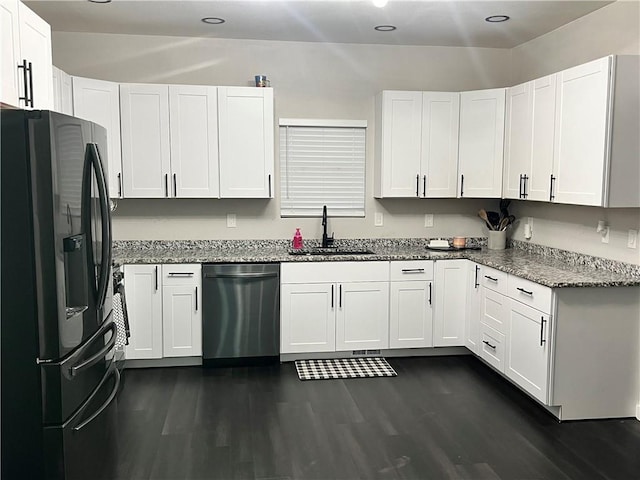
(322, 165)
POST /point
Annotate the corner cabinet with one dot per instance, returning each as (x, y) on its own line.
(334, 306)
(163, 303)
(451, 303)
(481, 143)
(416, 144)
(99, 102)
(246, 131)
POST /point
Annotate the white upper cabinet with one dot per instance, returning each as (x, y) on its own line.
(62, 92)
(529, 137)
(27, 70)
(245, 129)
(144, 110)
(481, 142)
(597, 123)
(193, 123)
(416, 144)
(99, 102)
(9, 51)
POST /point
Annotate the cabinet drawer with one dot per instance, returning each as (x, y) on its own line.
(411, 270)
(494, 310)
(181, 274)
(322, 272)
(530, 293)
(494, 280)
(492, 347)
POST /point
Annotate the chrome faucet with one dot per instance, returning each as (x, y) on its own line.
(327, 241)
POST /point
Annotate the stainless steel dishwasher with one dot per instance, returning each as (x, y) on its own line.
(240, 313)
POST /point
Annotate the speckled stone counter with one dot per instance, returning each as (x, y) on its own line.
(550, 267)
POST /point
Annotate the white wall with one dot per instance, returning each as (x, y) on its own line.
(310, 80)
(614, 29)
(340, 81)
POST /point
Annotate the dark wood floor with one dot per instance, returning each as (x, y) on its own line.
(441, 417)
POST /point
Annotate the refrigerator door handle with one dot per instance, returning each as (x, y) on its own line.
(113, 328)
(105, 214)
(115, 372)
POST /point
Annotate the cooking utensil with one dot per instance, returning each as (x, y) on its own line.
(483, 215)
(504, 207)
(494, 219)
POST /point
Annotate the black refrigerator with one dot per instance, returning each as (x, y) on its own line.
(59, 378)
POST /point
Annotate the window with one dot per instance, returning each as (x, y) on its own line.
(322, 162)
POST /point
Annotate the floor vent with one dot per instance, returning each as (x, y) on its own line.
(365, 352)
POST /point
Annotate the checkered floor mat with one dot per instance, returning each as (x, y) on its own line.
(344, 368)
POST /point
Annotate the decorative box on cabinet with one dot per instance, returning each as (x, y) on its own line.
(416, 144)
(334, 306)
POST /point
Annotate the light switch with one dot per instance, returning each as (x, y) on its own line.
(428, 220)
(632, 240)
(378, 219)
(231, 220)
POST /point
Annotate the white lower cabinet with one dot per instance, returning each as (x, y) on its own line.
(472, 324)
(527, 359)
(164, 307)
(411, 304)
(451, 303)
(334, 306)
(307, 318)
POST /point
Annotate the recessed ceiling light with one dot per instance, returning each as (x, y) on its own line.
(100, 1)
(385, 28)
(497, 18)
(213, 20)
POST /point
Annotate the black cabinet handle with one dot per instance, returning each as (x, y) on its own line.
(196, 298)
(156, 275)
(119, 185)
(551, 195)
(488, 344)
(332, 287)
(166, 185)
(31, 84)
(340, 297)
(476, 284)
(524, 188)
(418, 185)
(269, 185)
(180, 274)
(429, 293)
(26, 70)
(413, 270)
(175, 186)
(524, 291)
(462, 185)
(491, 278)
(542, 339)
(520, 187)
(424, 186)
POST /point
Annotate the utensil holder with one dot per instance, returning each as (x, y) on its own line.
(497, 240)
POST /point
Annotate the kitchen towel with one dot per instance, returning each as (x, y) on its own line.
(344, 368)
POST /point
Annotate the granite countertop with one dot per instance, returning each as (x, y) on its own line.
(550, 267)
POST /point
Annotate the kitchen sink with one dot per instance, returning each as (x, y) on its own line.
(330, 251)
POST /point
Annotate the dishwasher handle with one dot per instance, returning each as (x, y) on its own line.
(241, 275)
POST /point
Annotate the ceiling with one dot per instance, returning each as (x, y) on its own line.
(418, 22)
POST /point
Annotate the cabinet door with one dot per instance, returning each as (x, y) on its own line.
(400, 136)
(35, 47)
(494, 310)
(362, 317)
(144, 306)
(542, 138)
(245, 127)
(439, 160)
(481, 143)
(9, 52)
(472, 325)
(582, 114)
(99, 101)
(411, 315)
(528, 347)
(193, 123)
(517, 142)
(451, 300)
(62, 92)
(144, 115)
(307, 318)
(182, 320)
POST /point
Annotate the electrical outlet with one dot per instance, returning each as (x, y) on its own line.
(428, 220)
(632, 239)
(231, 220)
(605, 234)
(378, 217)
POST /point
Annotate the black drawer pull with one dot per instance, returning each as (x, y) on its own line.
(180, 274)
(413, 270)
(491, 278)
(524, 291)
(488, 344)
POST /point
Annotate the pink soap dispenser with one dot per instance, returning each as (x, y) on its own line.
(297, 240)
